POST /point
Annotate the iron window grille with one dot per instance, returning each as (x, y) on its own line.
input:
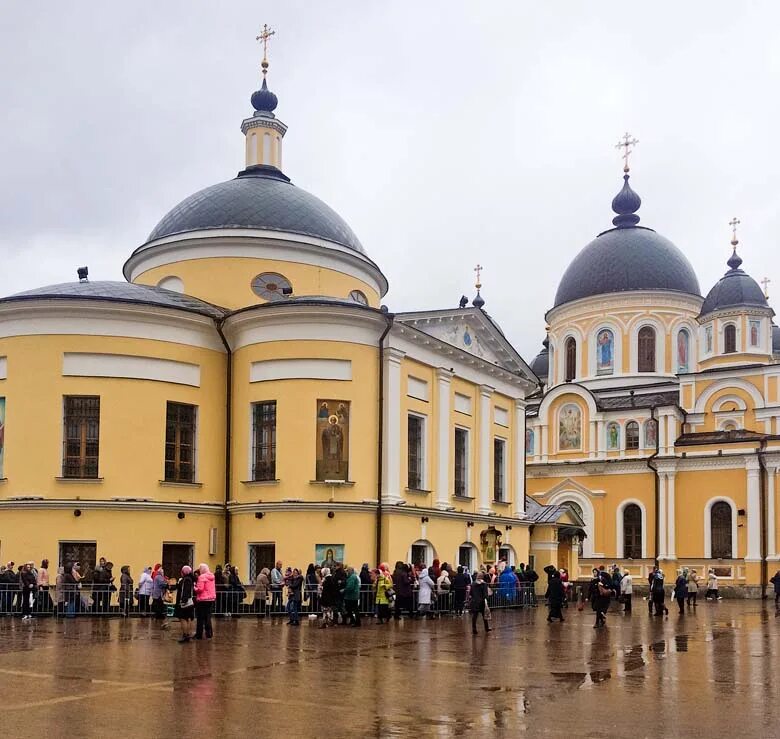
(632, 532)
(415, 443)
(180, 443)
(81, 445)
(264, 441)
(646, 349)
(632, 435)
(461, 462)
(499, 470)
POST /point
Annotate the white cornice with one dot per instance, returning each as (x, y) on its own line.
(263, 121)
(586, 468)
(125, 505)
(638, 300)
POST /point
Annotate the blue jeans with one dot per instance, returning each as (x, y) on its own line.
(293, 609)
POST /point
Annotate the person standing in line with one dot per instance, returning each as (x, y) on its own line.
(159, 589)
(681, 590)
(712, 586)
(262, 586)
(312, 585)
(145, 590)
(29, 589)
(328, 595)
(626, 591)
(658, 594)
(42, 580)
(125, 590)
(555, 594)
(277, 585)
(650, 579)
(478, 605)
(426, 586)
(294, 597)
(185, 603)
(383, 584)
(205, 594)
(460, 584)
(599, 595)
(775, 580)
(351, 593)
(692, 587)
(59, 590)
(443, 585)
(403, 583)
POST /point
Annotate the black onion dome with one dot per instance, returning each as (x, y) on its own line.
(541, 362)
(120, 292)
(263, 100)
(736, 289)
(626, 258)
(260, 197)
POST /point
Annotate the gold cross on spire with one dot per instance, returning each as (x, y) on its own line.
(734, 222)
(264, 38)
(478, 269)
(765, 282)
(627, 143)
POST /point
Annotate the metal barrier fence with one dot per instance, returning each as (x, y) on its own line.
(68, 601)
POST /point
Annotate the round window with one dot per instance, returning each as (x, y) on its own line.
(271, 286)
(358, 297)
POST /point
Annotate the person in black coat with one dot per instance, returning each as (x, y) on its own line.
(460, 584)
(478, 605)
(403, 584)
(555, 593)
(329, 597)
(599, 595)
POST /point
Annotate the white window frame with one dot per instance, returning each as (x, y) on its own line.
(737, 336)
(708, 526)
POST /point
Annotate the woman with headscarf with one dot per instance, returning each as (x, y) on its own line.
(185, 603)
(478, 605)
(205, 594)
(555, 593)
(159, 589)
(426, 586)
(125, 590)
(460, 584)
(681, 589)
(403, 584)
(262, 586)
(144, 590)
(294, 597)
(312, 585)
(599, 595)
(383, 589)
(328, 597)
(657, 593)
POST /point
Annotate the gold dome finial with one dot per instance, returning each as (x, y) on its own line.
(264, 38)
(765, 282)
(478, 269)
(734, 222)
(627, 143)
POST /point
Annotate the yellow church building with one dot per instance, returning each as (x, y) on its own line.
(659, 423)
(246, 397)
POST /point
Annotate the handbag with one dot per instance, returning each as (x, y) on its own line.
(604, 592)
(189, 603)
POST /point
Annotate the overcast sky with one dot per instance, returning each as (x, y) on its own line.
(445, 133)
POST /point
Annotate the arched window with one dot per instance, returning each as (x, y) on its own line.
(683, 350)
(577, 508)
(632, 435)
(632, 531)
(720, 527)
(730, 339)
(646, 349)
(570, 370)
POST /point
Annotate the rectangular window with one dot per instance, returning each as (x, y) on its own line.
(174, 557)
(465, 556)
(461, 462)
(264, 441)
(83, 552)
(180, 443)
(416, 452)
(499, 470)
(81, 442)
(261, 556)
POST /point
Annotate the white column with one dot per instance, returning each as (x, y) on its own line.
(391, 459)
(662, 420)
(593, 441)
(771, 532)
(443, 380)
(483, 462)
(671, 550)
(662, 518)
(601, 446)
(671, 433)
(519, 481)
(753, 512)
(544, 441)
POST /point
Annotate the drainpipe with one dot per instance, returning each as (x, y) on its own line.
(228, 429)
(381, 433)
(651, 465)
(762, 481)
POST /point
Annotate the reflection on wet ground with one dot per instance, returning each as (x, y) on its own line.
(708, 673)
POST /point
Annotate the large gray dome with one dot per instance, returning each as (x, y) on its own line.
(625, 259)
(260, 197)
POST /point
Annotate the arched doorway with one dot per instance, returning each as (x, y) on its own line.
(421, 552)
(468, 556)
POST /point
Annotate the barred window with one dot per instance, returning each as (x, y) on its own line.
(264, 441)
(461, 462)
(416, 453)
(81, 443)
(180, 443)
(499, 470)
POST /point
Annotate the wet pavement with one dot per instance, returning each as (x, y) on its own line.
(708, 673)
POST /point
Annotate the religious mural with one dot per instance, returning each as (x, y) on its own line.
(708, 339)
(329, 555)
(605, 352)
(2, 436)
(613, 436)
(570, 428)
(332, 440)
(489, 543)
(683, 350)
(755, 327)
(651, 433)
(529, 441)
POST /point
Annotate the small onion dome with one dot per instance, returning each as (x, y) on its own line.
(478, 301)
(736, 289)
(626, 203)
(541, 363)
(263, 100)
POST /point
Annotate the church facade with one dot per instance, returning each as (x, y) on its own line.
(659, 422)
(244, 396)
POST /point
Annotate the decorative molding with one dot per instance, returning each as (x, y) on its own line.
(127, 505)
(300, 369)
(417, 388)
(3, 368)
(87, 364)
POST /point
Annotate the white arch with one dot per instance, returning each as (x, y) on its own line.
(512, 558)
(660, 344)
(573, 333)
(617, 348)
(708, 526)
(173, 283)
(621, 530)
(474, 562)
(720, 402)
(725, 384)
(578, 390)
(737, 324)
(588, 516)
(430, 551)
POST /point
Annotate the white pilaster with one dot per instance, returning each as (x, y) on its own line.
(662, 518)
(753, 511)
(391, 459)
(771, 526)
(519, 481)
(593, 440)
(601, 441)
(671, 550)
(483, 463)
(662, 420)
(545, 441)
(443, 381)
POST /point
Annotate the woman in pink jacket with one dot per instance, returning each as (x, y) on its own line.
(205, 595)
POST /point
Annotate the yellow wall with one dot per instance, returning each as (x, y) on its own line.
(227, 281)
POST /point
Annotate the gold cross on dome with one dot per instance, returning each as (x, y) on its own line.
(478, 269)
(627, 143)
(734, 222)
(765, 282)
(264, 38)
